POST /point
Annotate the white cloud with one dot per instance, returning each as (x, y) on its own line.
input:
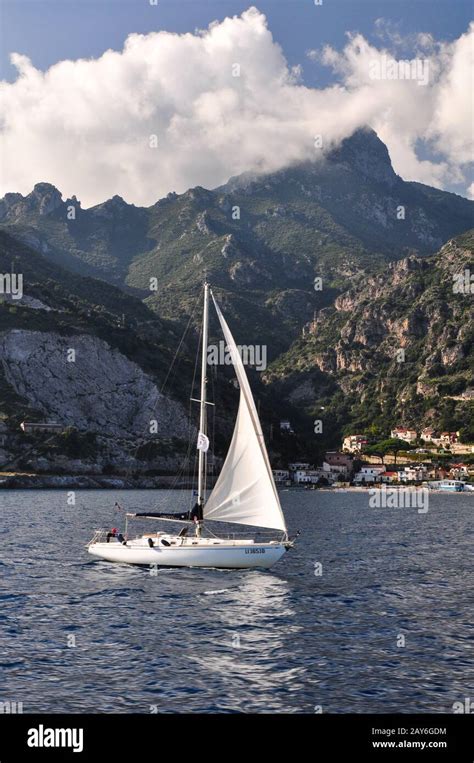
(85, 125)
(407, 113)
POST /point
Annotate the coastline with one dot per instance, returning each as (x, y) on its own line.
(170, 482)
(93, 482)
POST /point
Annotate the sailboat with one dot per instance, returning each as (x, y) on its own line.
(244, 494)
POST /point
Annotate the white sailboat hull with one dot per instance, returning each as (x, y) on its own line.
(202, 553)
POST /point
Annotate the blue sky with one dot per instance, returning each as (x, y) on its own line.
(51, 30)
(86, 125)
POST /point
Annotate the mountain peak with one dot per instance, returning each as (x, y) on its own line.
(367, 154)
(113, 208)
(43, 188)
(115, 204)
(43, 199)
(362, 152)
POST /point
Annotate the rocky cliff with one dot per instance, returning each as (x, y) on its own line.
(80, 381)
(396, 348)
(114, 418)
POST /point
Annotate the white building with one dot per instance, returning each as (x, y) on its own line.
(354, 443)
(429, 434)
(332, 472)
(401, 433)
(389, 476)
(297, 465)
(281, 476)
(416, 473)
(338, 463)
(308, 476)
(447, 438)
(459, 471)
(369, 474)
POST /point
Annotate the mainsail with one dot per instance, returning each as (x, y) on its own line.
(245, 491)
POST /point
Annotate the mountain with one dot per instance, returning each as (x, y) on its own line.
(99, 242)
(261, 240)
(397, 348)
(109, 391)
(377, 243)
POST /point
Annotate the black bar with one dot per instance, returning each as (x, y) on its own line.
(446, 737)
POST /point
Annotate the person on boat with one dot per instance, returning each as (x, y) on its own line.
(196, 512)
(198, 526)
(196, 516)
(114, 533)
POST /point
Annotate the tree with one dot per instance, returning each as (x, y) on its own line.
(466, 433)
(391, 445)
(394, 445)
(376, 451)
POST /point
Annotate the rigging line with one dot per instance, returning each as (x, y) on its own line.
(191, 316)
(160, 391)
(180, 343)
(190, 440)
(186, 460)
(175, 356)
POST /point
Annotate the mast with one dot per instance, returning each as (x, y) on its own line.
(202, 467)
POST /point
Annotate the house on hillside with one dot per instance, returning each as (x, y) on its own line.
(402, 433)
(448, 438)
(354, 443)
(429, 434)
